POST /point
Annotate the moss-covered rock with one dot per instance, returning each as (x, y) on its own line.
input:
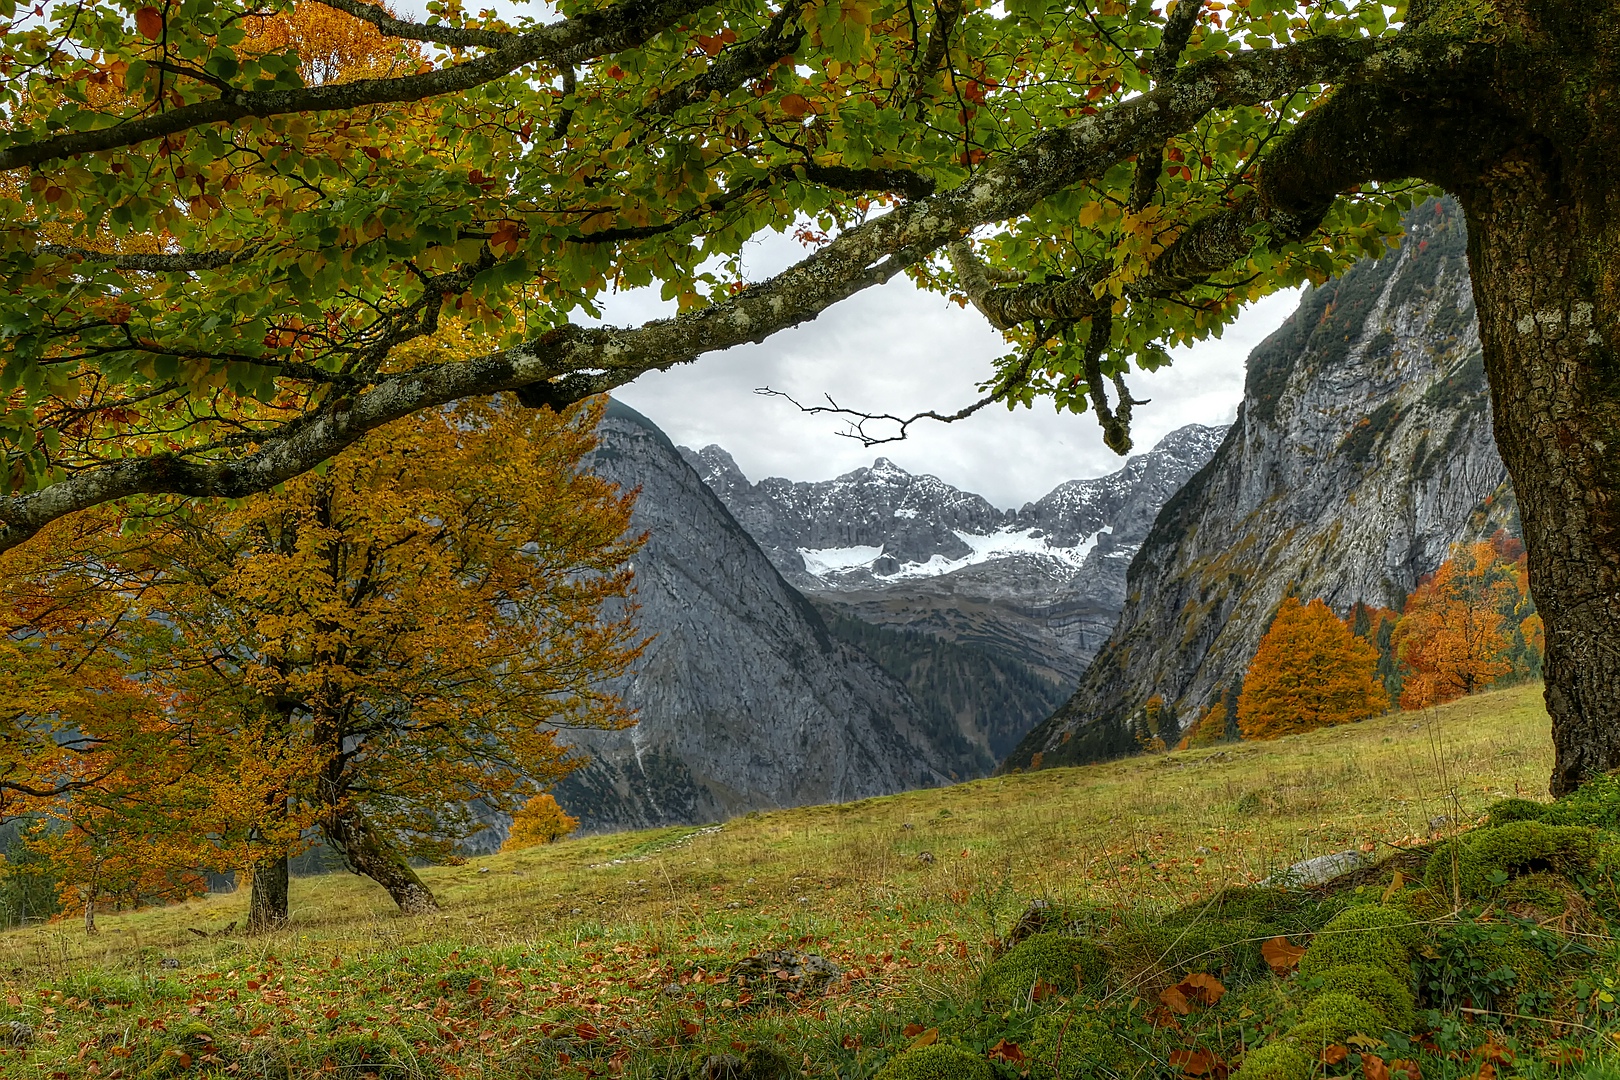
(1276, 1061)
(1420, 902)
(1485, 859)
(1064, 963)
(1075, 1046)
(937, 1062)
(1372, 934)
(1515, 810)
(1389, 996)
(1286, 911)
(1333, 1018)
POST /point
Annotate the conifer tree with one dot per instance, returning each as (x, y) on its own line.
(1309, 672)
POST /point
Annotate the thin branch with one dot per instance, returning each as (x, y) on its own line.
(737, 64)
(155, 264)
(857, 419)
(622, 26)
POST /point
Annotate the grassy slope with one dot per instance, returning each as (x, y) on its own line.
(596, 928)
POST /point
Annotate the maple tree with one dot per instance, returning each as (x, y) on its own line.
(365, 651)
(215, 249)
(538, 821)
(1309, 672)
(1468, 625)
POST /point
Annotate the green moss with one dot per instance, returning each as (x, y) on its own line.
(1288, 911)
(1332, 1019)
(1548, 894)
(1595, 803)
(1420, 903)
(1372, 934)
(1387, 995)
(1515, 810)
(1210, 944)
(1486, 859)
(935, 1062)
(1276, 1061)
(1064, 963)
(1080, 1045)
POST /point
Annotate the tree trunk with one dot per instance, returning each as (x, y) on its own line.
(267, 902)
(1544, 250)
(366, 852)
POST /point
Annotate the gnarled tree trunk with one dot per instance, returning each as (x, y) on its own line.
(366, 852)
(1544, 249)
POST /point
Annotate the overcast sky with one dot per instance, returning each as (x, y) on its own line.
(897, 349)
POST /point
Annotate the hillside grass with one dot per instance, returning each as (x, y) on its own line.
(606, 955)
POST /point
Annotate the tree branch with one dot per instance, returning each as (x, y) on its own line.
(571, 362)
(437, 34)
(156, 264)
(624, 25)
(1178, 28)
(736, 65)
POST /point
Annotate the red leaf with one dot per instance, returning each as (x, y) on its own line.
(1200, 1062)
(149, 21)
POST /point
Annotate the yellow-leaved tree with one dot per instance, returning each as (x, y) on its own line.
(365, 652)
(538, 821)
(1310, 671)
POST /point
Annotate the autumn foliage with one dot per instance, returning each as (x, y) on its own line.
(1468, 625)
(1309, 672)
(359, 656)
(538, 821)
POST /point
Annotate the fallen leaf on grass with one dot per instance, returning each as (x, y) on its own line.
(1200, 1062)
(1332, 1055)
(1282, 955)
(927, 1038)
(1008, 1052)
(1375, 1067)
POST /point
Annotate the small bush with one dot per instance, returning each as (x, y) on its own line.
(1332, 1019)
(1063, 963)
(1372, 934)
(1386, 994)
(1276, 1061)
(935, 1062)
(1487, 859)
(1487, 964)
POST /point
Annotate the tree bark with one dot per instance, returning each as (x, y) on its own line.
(267, 902)
(367, 852)
(1544, 250)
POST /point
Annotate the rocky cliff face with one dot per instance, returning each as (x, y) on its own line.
(1361, 454)
(745, 700)
(1039, 586)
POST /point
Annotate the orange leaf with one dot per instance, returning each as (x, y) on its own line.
(795, 105)
(1282, 955)
(1175, 1000)
(911, 1031)
(927, 1038)
(149, 21)
(1008, 1052)
(1407, 1066)
(1375, 1067)
(1198, 1062)
(1332, 1055)
(1201, 989)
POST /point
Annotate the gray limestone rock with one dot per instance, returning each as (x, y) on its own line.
(1361, 454)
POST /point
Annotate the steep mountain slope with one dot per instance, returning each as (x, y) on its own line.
(1038, 587)
(745, 700)
(1361, 453)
